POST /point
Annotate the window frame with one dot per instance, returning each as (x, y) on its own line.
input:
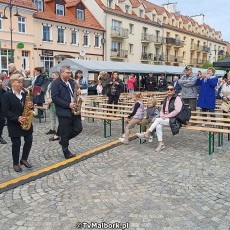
(59, 10)
(39, 3)
(76, 37)
(88, 39)
(1, 24)
(50, 33)
(82, 14)
(97, 36)
(63, 30)
(21, 24)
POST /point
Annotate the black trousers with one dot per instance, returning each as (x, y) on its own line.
(113, 99)
(2, 124)
(69, 127)
(16, 144)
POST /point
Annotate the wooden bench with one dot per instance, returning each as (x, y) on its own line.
(213, 125)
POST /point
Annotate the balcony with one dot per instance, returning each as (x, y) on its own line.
(158, 58)
(118, 54)
(146, 38)
(158, 40)
(206, 49)
(146, 57)
(194, 47)
(197, 61)
(174, 42)
(119, 32)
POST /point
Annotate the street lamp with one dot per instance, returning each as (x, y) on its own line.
(10, 6)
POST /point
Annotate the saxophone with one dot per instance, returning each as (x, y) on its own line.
(28, 113)
(77, 100)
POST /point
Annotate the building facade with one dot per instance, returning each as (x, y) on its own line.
(142, 32)
(47, 32)
(18, 48)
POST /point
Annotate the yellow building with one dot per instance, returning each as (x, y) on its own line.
(141, 32)
(19, 49)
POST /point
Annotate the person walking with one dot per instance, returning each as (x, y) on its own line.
(62, 94)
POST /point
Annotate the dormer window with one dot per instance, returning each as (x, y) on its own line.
(109, 3)
(141, 13)
(80, 12)
(154, 17)
(127, 9)
(59, 9)
(38, 4)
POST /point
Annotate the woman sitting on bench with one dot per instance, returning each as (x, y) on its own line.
(134, 118)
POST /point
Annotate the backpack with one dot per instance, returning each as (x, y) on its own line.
(184, 115)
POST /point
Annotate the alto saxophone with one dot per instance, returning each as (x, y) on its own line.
(77, 100)
(28, 113)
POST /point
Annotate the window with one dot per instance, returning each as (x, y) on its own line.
(127, 9)
(39, 4)
(61, 35)
(116, 25)
(97, 41)
(130, 48)
(21, 24)
(173, 21)
(154, 17)
(109, 3)
(86, 39)
(141, 12)
(47, 62)
(74, 37)
(59, 9)
(0, 21)
(46, 33)
(80, 14)
(131, 28)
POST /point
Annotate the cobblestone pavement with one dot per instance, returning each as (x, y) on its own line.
(181, 187)
(45, 152)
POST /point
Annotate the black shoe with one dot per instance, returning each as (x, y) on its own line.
(2, 141)
(54, 139)
(51, 132)
(25, 163)
(68, 154)
(17, 168)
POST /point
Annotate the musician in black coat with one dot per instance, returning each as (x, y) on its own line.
(2, 118)
(13, 103)
(62, 94)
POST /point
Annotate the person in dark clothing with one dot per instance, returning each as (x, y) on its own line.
(176, 84)
(162, 84)
(13, 103)
(114, 87)
(151, 82)
(62, 94)
(3, 89)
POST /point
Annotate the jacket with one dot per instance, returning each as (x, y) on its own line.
(39, 99)
(188, 86)
(177, 86)
(152, 112)
(140, 111)
(61, 97)
(173, 122)
(114, 89)
(12, 109)
(207, 97)
(131, 82)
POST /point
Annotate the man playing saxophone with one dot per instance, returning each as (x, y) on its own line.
(16, 106)
(63, 96)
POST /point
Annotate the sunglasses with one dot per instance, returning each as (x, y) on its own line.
(170, 89)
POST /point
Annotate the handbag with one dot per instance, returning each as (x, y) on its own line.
(225, 106)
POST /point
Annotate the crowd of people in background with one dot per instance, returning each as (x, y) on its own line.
(60, 90)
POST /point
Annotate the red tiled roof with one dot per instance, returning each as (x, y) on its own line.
(69, 17)
(28, 4)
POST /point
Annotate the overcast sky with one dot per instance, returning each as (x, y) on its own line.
(217, 12)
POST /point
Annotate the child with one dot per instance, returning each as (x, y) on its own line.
(134, 118)
(99, 87)
(152, 113)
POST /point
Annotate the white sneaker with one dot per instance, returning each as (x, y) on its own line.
(150, 139)
(160, 147)
(202, 125)
(122, 140)
(123, 135)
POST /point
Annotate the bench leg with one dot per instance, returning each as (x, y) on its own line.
(210, 143)
(123, 125)
(107, 123)
(142, 141)
(228, 136)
